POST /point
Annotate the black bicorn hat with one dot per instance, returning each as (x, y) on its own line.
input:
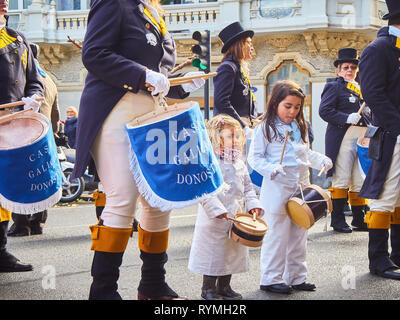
(394, 9)
(231, 33)
(346, 55)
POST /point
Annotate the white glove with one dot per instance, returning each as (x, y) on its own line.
(353, 118)
(398, 139)
(327, 163)
(195, 84)
(30, 102)
(158, 81)
(278, 169)
(248, 133)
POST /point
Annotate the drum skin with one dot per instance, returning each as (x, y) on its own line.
(304, 213)
(246, 235)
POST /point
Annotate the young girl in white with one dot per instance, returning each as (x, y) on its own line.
(213, 253)
(283, 253)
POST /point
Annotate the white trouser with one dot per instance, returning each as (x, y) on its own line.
(283, 252)
(110, 152)
(346, 173)
(389, 198)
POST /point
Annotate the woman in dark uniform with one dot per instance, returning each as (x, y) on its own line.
(340, 103)
(126, 47)
(232, 89)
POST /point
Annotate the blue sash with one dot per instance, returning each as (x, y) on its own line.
(173, 162)
(30, 176)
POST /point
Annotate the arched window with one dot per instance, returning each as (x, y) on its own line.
(290, 70)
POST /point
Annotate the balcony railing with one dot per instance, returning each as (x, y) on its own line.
(46, 24)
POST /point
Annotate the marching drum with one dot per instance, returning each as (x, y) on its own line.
(172, 159)
(30, 171)
(250, 236)
(308, 206)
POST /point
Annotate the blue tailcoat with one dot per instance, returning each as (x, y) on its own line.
(120, 43)
(337, 102)
(380, 83)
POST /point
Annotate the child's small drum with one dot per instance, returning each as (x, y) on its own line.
(304, 210)
(246, 235)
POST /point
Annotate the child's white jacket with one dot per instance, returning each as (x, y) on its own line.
(213, 252)
(264, 156)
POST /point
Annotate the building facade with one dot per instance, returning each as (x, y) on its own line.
(294, 39)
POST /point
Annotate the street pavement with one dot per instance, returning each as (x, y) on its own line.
(337, 263)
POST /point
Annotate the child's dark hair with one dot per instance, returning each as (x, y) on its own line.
(280, 91)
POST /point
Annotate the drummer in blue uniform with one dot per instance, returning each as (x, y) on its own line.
(19, 80)
(232, 90)
(126, 48)
(341, 100)
(380, 82)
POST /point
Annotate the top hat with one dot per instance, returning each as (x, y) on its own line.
(394, 9)
(231, 33)
(346, 55)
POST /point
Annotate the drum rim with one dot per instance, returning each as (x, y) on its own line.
(181, 107)
(306, 208)
(245, 228)
(37, 117)
(324, 195)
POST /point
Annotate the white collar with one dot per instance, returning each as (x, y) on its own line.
(394, 31)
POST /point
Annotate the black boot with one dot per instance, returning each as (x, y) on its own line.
(358, 218)
(21, 227)
(9, 263)
(152, 284)
(209, 289)
(378, 252)
(338, 220)
(36, 221)
(105, 273)
(224, 288)
(395, 244)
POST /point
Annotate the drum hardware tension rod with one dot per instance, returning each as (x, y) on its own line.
(245, 223)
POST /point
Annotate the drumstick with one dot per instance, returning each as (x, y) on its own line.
(245, 223)
(17, 103)
(284, 146)
(184, 64)
(181, 80)
(361, 108)
(322, 170)
(11, 116)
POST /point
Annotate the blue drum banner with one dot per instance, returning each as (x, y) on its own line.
(173, 162)
(30, 176)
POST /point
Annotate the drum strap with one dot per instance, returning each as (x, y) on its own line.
(245, 235)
